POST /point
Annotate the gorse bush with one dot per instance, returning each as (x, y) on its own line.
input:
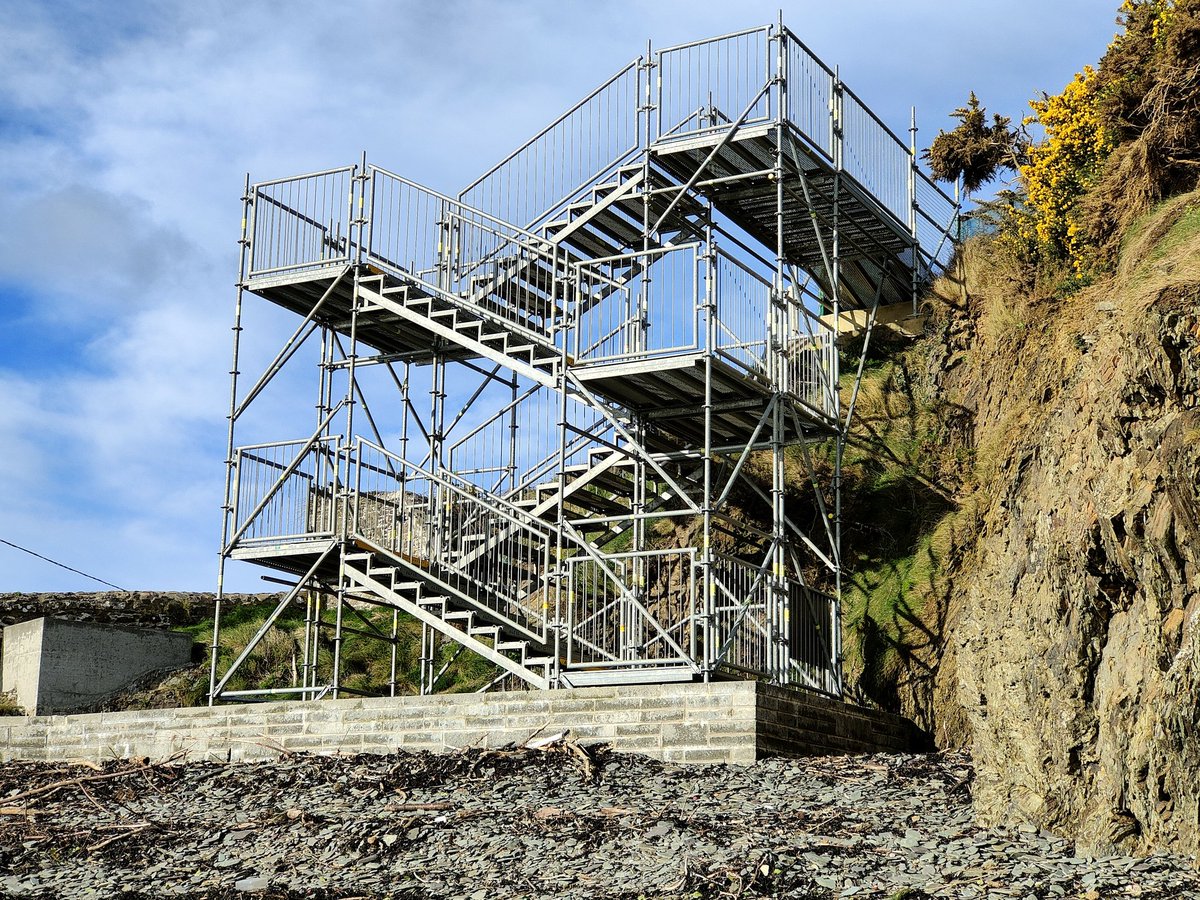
(1062, 167)
(975, 151)
(1118, 138)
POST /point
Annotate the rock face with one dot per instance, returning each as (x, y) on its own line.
(1074, 650)
(150, 609)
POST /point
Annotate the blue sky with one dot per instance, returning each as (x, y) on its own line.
(125, 133)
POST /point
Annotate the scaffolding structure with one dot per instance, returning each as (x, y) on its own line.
(558, 416)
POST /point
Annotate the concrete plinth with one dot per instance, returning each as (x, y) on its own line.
(723, 722)
(56, 666)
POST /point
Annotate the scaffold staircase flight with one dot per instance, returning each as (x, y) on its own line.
(559, 416)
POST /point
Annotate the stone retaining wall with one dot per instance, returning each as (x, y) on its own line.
(724, 722)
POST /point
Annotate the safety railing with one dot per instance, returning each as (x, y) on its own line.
(811, 88)
(874, 156)
(807, 370)
(301, 222)
(631, 609)
(778, 627)
(652, 304)
(458, 254)
(571, 154)
(286, 490)
(744, 637)
(743, 309)
(638, 305)
(485, 550)
(936, 220)
(495, 269)
(834, 121)
(704, 85)
(812, 639)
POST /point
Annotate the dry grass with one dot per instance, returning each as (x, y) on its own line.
(1163, 247)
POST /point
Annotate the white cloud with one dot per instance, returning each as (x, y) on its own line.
(125, 130)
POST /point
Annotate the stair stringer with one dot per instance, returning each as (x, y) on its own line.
(522, 642)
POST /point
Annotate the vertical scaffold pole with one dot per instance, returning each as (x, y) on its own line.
(349, 503)
(912, 209)
(778, 339)
(564, 596)
(708, 584)
(227, 507)
(840, 438)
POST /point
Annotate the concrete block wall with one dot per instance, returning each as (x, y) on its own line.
(54, 665)
(724, 722)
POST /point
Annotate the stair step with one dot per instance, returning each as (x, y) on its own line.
(505, 646)
(591, 243)
(459, 615)
(616, 227)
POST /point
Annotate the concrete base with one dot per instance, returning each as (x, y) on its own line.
(724, 722)
(56, 666)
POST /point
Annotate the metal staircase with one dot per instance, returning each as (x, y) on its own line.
(595, 376)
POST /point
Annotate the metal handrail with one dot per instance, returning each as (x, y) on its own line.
(537, 137)
(446, 479)
(286, 472)
(458, 204)
(699, 42)
(488, 575)
(424, 221)
(542, 208)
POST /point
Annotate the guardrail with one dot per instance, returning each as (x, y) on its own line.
(662, 309)
(652, 310)
(567, 156)
(634, 609)
(485, 550)
(463, 253)
(704, 86)
(300, 222)
(285, 490)
(777, 627)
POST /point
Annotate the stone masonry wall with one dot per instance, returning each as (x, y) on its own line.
(725, 722)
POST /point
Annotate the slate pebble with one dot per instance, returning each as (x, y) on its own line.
(555, 823)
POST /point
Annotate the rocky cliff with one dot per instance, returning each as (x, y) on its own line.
(1066, 621)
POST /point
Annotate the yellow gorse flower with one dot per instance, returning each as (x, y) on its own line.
(1065, 164)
